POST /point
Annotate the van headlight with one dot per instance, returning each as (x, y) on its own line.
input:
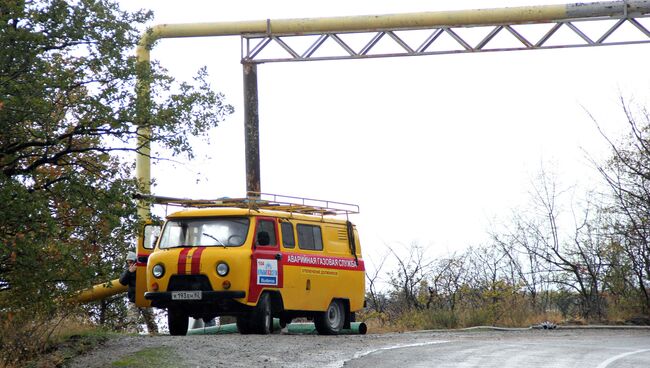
(158, 271)
(222, 269)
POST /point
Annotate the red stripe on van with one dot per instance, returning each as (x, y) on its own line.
(182, 260)
(196, 260)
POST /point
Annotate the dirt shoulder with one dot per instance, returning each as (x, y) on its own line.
(236, 350)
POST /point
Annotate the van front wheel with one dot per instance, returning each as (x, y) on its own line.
(243, 325)
(262, 318)
(332, 320)
(178, 322)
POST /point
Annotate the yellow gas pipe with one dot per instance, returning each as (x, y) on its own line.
(100, 291)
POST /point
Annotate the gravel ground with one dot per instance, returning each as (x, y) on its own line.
(234, 350)
(282, 350)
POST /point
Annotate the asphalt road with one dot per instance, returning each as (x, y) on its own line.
(530, 349)
(596, 348)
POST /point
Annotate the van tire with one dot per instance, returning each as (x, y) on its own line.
(243, 325)
(262, 317)
(178, 322)
(331, 321)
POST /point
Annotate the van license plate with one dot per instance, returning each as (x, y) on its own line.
(186, 295)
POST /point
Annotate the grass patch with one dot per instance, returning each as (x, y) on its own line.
(159, 357)
(75, 345)
(46, 341)
(58, 353)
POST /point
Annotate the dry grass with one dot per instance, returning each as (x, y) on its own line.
(70, 326)
(433, 320)
(45, 342)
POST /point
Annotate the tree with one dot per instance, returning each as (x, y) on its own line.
(67, 110)
(627, 173)
(489, 282)
(524, 266)
(447, 279)
(375, 297)
(575, 259)
(406, 281)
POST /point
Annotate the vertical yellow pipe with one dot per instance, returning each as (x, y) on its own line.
(143, 157)
(143, 166)
(143, 170)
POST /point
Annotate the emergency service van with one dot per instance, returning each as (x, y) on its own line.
(257, 259)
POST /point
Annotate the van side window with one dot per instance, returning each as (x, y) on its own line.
(265, 233)
(288, 240)
(309, 237)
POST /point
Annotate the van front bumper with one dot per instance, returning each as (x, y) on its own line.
(206, 296)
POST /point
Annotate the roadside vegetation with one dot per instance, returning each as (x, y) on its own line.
(565, 257)
(69, 123)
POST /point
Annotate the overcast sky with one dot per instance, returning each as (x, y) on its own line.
(433, 148)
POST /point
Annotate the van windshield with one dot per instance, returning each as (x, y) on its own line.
(206, 232)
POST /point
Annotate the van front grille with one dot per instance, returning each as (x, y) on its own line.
(189, 282)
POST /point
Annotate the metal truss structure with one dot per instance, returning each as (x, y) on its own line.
(566, 33)
(604, 23)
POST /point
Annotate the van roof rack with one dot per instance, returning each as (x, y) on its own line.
(266, 201)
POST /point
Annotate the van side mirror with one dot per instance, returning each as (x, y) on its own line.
(151, 235)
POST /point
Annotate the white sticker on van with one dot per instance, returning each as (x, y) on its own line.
(267, 272)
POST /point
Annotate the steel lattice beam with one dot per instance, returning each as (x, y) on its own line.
(279, 48)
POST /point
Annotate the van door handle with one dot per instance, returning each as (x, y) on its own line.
(278, 256)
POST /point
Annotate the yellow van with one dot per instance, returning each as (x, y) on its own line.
(257, 259)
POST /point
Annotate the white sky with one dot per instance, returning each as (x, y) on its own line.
(433, 148)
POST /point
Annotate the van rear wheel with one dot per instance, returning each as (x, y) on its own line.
(178, 322)
(332, 320)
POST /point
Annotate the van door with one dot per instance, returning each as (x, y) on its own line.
(266, 265)
(146, 242)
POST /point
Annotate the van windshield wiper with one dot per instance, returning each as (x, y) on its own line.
(215, 238)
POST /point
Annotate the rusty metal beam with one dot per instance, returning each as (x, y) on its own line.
(251, 129)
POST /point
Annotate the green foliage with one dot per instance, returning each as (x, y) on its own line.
(110, 313)
(68, 112)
